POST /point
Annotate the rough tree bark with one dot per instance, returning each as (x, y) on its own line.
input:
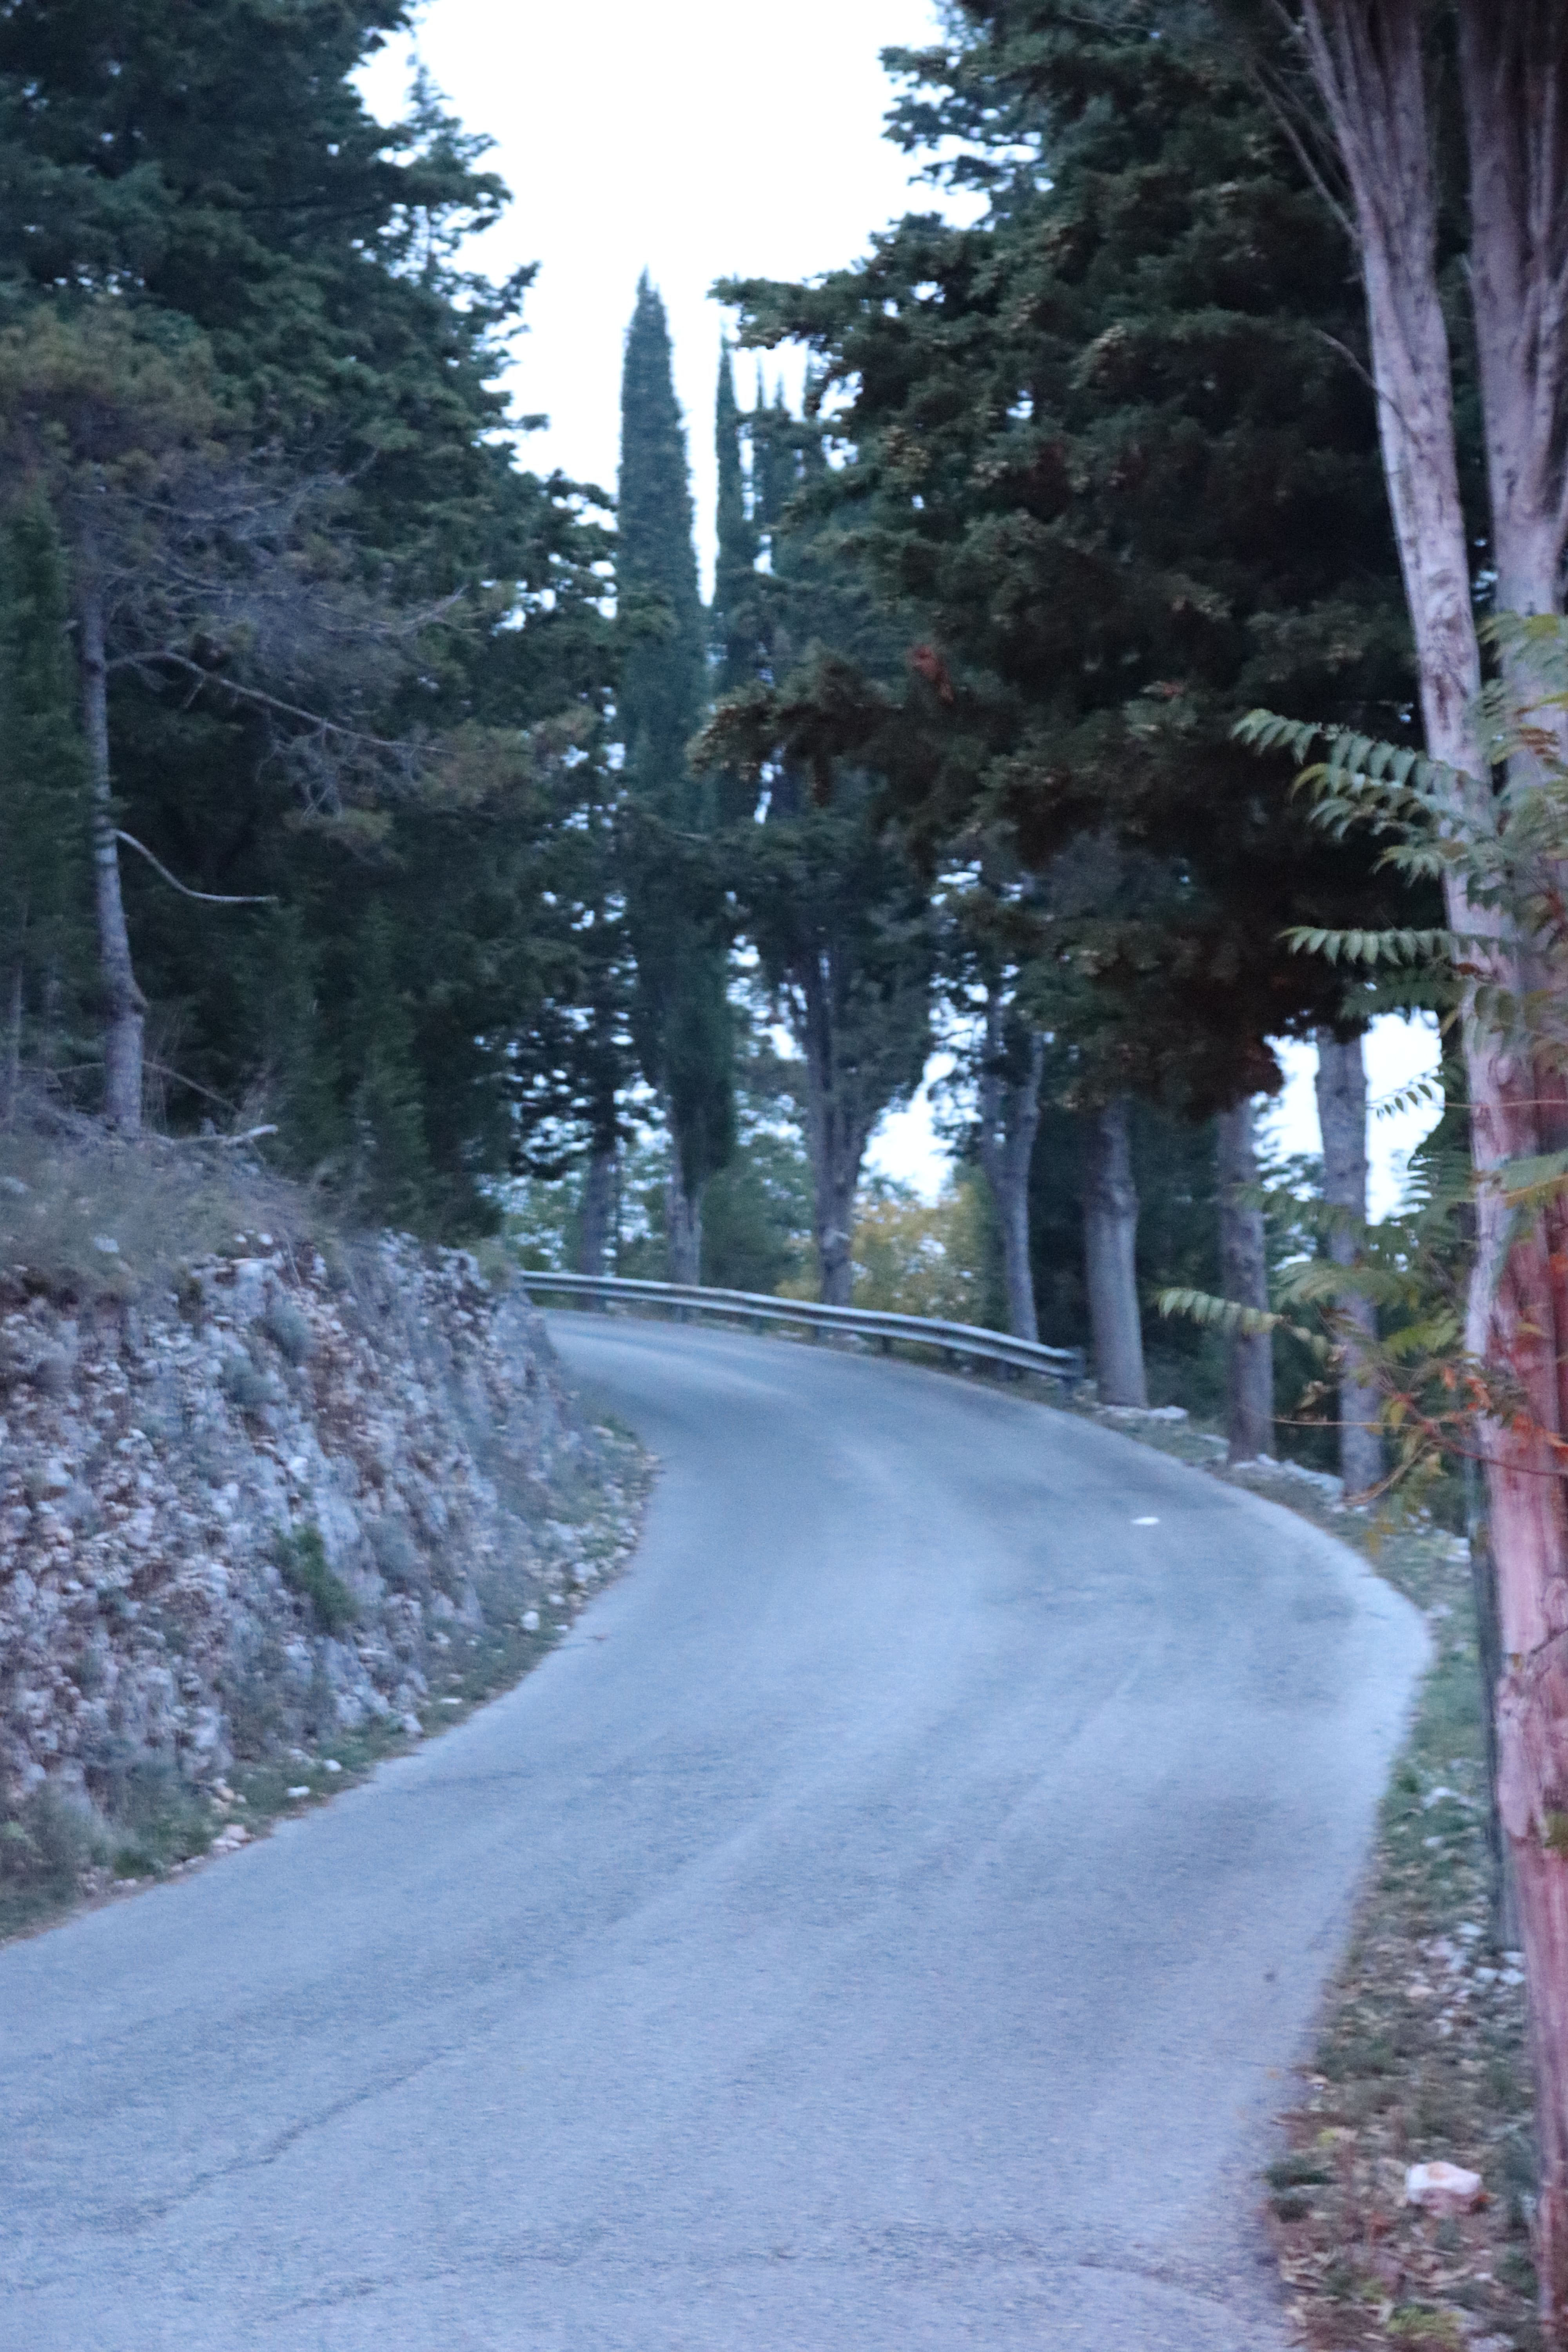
(838, 1123)
(1009, 1107)
(598, 1214)
(1342, 1118)
(10, 1083)
(838, 1145)
(124, 1006)
(1109, 1256)
(1244, 1277)
(1367, 59)
(683, 1216)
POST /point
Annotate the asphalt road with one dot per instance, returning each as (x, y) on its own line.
(886, 1923)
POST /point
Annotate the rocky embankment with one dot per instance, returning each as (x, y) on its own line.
(262, 1506)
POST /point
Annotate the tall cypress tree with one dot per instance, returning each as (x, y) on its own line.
(736, 620)
(681, 1018)
(656, 570)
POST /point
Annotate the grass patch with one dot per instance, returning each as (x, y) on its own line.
(84, 1217)
(303, 1563)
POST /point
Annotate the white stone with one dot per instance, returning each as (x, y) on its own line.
(1443, 2188)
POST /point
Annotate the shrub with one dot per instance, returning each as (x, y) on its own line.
(245, 1387)
(45, 1843)
(301, 1559)
(289, 1331)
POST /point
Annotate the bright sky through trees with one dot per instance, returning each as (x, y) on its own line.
(723, 138)
(722, 142)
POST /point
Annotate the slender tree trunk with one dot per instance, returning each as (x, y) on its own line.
(1502, 1901)
(13, 1079)
(683, 1212)
(1244, 1272)
(124, 1006)
(1341, 1117)
(835, 1132)
(1111, 1256)
(1009, 1110)
(1366, 57)
(599, 1212)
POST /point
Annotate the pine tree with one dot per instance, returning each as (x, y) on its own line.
(315, 293)
(682, 1022)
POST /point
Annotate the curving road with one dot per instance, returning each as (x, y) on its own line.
(885, 1924)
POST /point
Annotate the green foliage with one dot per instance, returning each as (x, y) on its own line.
(1108, 457)
(735, 625)
(289, 1331)
(389, 1176)
(378, 674)
(1504, 839)
(757, 1211)
(826, 891)
(43, 791)
(45, 1844)
(302, 1560)
(248, 1388)
(925, 1258)
(678, 923)
(662, 679)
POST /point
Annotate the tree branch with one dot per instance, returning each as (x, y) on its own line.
(207, 897)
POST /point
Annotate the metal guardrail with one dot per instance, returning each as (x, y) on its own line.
(951, 1339)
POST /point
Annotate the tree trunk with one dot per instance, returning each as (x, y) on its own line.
(13, 1073)
(124, 1006)
(1110, 1257)
(1366, 57)
(1243, 1273)
(598, 1214)
(836, 1132)
(1502, 1901)
(1342, 1118)
(1009, 1110)
(836, 1177)
(684, 1220)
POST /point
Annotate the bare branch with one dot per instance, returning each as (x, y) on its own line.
(208, 897)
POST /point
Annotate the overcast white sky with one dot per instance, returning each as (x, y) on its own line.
(694, 138)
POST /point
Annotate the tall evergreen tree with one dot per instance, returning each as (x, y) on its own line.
(1112, 463)
(736, 620)
(682, 1020)
(828, 897)
(319, 280)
